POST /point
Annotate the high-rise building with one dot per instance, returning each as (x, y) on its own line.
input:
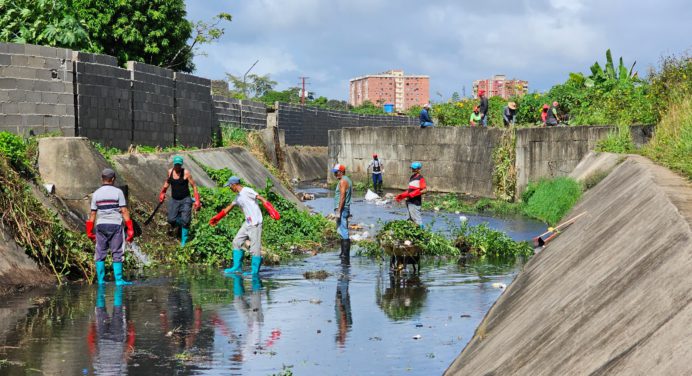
(391, 87)
(500, 86)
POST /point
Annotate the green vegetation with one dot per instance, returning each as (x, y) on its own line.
(504, 172)
(296, 232)
(149, 31)
(234, 136)
(550, 200)
(618, 140)
(452, 202)
(482, 241)
(65, 253)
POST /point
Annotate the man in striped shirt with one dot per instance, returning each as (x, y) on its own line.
(108, 210)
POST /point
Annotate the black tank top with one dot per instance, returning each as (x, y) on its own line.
(179, 187)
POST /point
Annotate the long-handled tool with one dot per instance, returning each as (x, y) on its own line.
(151, 217)
(538, 241)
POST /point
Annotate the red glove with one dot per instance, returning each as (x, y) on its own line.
(401, 196)
(414, 193)
(162, 195)
(90, 230)
(272, 212)
(130, 231)
(217, 218)
(198, 202)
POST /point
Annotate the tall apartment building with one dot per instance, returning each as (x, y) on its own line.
(500, 86)
(391, 87)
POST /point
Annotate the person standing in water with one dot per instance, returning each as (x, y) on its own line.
(342, 208)
(180, 205)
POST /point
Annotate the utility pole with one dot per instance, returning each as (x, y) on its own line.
(245, 77)
(240, 102)
(302, 93)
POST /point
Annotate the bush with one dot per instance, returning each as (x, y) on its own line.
(482, 241)
(671, 144)
(15, 150)
(552, 199)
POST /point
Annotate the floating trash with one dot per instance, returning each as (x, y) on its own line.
(417, 336)
(498, 285)
(462, 218)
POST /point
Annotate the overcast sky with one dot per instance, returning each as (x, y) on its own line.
(452, 41)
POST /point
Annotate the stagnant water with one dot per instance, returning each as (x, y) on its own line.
(358, 321)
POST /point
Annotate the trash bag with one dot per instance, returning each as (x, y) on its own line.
(371, 196)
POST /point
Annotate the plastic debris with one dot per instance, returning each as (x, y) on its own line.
(462, 218)
(371, 196)
(498, 285)
(417, 336)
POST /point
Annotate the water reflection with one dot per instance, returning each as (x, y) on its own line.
(403, 299)
(342, 306)
(110, 338)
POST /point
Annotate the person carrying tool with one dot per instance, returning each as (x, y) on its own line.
(425, 119)
(108, 211)
(414, 194)
(552, 119)
(475, 118)
(179, 208)
(342, 208)
(377, 171)
(252, 226)
(483, 107)
(509, 114)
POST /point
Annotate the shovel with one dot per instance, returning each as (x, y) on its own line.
(538, 241)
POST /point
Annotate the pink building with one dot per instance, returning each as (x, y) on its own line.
(391, 87)
(500, 86)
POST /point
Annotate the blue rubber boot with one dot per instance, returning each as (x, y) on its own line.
(255, 266)
(237, 262)
(101, 297)
(238, 288)
(118, 273)
(256, 282)
(183, 236)
(100, 272)
(118, 297)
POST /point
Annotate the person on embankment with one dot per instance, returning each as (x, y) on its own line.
(425, 119)
(483, 107)
(377, 171)
(252, 226)
(180, 205)
(552, 118)
(414, 194)
(342, 209)
(108, 211)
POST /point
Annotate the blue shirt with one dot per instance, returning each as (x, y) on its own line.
(425, 116)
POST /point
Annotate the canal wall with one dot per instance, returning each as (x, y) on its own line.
(609, 296)
(459, 159)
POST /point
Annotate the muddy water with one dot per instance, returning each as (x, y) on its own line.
(357, 321)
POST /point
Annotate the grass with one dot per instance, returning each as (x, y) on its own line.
(550, 200)
(453, 202)
(671, 144)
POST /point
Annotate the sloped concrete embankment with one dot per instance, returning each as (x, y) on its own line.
(17, 270)
(306, 163)
(611, 295)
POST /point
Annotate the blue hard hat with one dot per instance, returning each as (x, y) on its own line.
(416, 165)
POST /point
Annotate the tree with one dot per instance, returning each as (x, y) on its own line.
(43, 22)
(254, 86)
(456, 97)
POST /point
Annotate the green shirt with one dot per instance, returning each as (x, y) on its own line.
(475, 117)
(337, 194)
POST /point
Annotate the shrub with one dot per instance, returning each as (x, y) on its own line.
(552, 199)
(482, 241)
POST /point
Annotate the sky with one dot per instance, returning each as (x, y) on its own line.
(453, 41)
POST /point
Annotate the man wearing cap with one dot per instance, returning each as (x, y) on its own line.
(414, 193)
(252, 227)
(425, 119)
(483, 107)
(552, 118)
(179, 208)
(377, 170)
(509, 114)
(475, 117)
(342, 207)
(108, 210)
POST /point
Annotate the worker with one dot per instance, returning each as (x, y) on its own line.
(377, 171)
(342, 208)
(179, 208)
(544, 114)
(414, 193)
(475, 118)
(108, 211)
(252, 226)
(552, 119)
(483, 107)
(509, 114)
(425, 119)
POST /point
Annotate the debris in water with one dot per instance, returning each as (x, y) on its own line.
(417, 336)
(463, 316)
(419, 325)
(319, 331)
(430, 355)
(371, 196)
(498, 285)
(437, 208)
(407, 242)
(375, 339)
(315, 301)
(462, 218)
(319, 274)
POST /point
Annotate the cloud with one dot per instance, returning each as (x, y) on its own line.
(453, 42)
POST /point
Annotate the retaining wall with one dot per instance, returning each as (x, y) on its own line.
(193, 110)
(36, 90)
(240, 113)
(310, 125)
(609, 296)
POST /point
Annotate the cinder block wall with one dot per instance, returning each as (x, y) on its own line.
(310, 125)
(36, 89)
(193, 109)
(153, 93)
(455, 159)
(243, 114)
(103, 99)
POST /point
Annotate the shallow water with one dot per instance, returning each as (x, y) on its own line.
(358, 321)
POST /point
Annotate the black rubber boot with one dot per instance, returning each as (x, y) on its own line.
(345, 252)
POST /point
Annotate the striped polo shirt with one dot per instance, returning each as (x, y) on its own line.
(106, 202)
